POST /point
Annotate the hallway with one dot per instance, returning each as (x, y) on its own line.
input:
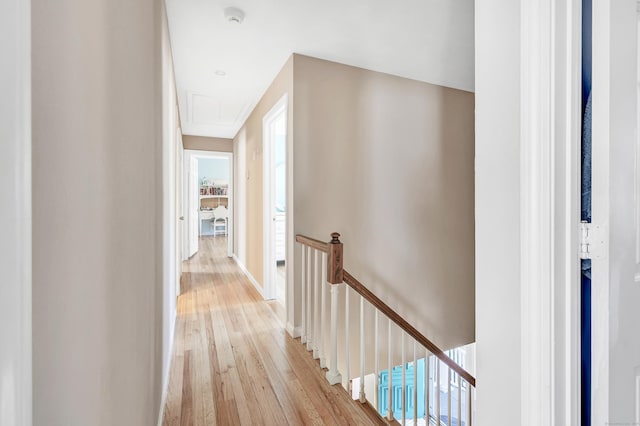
(233, 363)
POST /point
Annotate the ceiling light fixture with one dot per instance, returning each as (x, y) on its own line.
(233, 14)
(220, 73)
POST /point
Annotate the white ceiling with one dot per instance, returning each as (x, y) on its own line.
(426, 40)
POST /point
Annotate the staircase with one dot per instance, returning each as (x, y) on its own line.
(425, 385)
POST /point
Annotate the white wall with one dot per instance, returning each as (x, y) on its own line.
(497, 185)
(97, 203)
(15, 214)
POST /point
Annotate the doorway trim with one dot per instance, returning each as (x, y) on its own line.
(180, 222)
(15, 216)
(269, 271)
(549, 206)
(191, 153)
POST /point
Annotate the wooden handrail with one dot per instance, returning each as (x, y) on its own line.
(408, 328)
(312, 242)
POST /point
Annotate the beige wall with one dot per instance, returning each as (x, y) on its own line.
(97, 212)
(248, 173)
(204, 143)
(388, 163)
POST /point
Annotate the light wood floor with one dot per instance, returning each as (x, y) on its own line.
(233, 363)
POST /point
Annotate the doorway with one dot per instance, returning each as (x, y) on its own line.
(208, 198)
(275, 201)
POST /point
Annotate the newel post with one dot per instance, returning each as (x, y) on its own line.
(334, 277)
(334, 265)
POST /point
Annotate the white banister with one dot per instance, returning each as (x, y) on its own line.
(303, 336)
(376, 361)
(333, 375)
(427, 386)
(308, 321)
(323, 267)
(323, 319)
(316, 300)
(459, 381)
(363, 396)
(390, 371)
(449, 414)
(437, 390)
(346, 337)
(403, 401)
(469, 408)
(415, 383)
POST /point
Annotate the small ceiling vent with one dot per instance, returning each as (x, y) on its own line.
(233, 14)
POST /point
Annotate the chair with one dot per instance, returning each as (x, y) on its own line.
(220, 220)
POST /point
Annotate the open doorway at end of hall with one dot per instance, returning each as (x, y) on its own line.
(208, 199)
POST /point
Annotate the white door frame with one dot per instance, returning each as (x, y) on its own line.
(15, 214)
(179, 208)
(550, 211)
(188, 154)
(185, 206)
(615, 372)
(193, 200)
(268, 195)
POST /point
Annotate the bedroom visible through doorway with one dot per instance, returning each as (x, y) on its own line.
(208, 198)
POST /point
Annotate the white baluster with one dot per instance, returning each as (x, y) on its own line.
(333, 375)
(469, 401)
(308, 321)
(346, 336)
(316, 300)
(404, 381)
(363, 397)
(415, 383)
(427, 386)
(303, 337)
(437, 390)
(390, 410)
(376, 384)
(459, 399)
(323, 320)
(448, 396)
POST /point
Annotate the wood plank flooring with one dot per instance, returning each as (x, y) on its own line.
(233, 363)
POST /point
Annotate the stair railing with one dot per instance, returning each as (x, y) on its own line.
(322, 268)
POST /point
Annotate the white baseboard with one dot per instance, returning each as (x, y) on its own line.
(248, 274)
(294, 332)
(167, 374)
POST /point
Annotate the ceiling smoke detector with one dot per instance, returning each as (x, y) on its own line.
(233, 14)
